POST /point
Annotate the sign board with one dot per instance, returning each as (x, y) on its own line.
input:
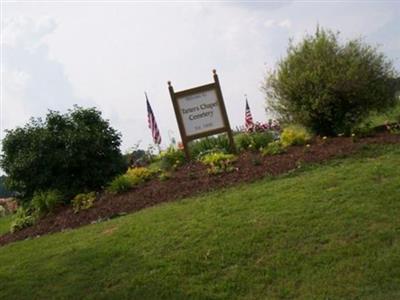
(200, 112)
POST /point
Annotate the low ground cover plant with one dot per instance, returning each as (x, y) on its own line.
(23, 218)
(242, 141)
(41, 204)
(83, 201)
(167, 160)
(218, 162)
(261, 139)
(164, 175)
(141, 173)
(273, 148)
(364, 129)
(172, 158)
(253, 140)
(132, 178)
(44, 202)
(119, 184)
(294, 135)
(209, 144)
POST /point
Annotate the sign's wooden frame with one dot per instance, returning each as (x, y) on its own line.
(226, 127)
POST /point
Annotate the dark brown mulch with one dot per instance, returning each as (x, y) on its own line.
(193, 179)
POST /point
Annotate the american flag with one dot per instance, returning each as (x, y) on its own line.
(248, 119)
(155, 133)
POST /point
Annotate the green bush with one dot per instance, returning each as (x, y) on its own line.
(69, 152)
(4, 192)
(83, 201)
(22, 219)
(218, 162)
(273, 148)
(329, 86)
(294, 135)
(44, 202)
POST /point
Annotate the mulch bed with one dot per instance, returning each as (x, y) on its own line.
(193, 179)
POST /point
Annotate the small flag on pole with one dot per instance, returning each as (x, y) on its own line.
(155, 133)
(248, 119)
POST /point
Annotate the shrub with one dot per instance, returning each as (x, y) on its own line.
(218, 162)
(328, 86)
(22, 219)
(44, 202)
(218, 143)
(83, 201)
(69, 152)
(4, 192)
(294, 135)
(273, 148)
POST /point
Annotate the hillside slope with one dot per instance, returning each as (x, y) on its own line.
(330, 231)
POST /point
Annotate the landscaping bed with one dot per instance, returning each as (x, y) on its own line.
(192, 179)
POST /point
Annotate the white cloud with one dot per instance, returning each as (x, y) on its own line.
(33, 83)
(285, 23)
(269, 23)
(21, 31)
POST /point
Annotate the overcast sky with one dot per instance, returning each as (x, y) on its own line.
(107, 53)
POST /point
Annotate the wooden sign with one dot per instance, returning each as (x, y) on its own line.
(200, 112)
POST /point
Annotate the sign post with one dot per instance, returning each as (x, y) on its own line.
(201, 112)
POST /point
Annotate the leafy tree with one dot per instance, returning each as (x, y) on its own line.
(71, 152)
(4, 192)
(330, 86)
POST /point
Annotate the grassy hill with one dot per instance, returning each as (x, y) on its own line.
(325, 232)
(5, 224)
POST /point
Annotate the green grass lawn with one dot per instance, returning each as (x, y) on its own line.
(5, 224)
(326, 232)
